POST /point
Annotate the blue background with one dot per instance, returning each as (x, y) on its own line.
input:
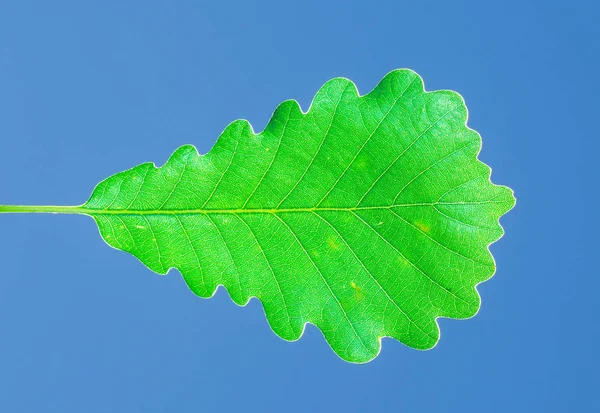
(88, 89)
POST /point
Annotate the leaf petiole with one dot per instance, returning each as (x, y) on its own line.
(40, 209)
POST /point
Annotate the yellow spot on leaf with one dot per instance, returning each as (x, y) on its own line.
(422, 226)
(358, 293)
(140, 227)
(333, 244)
(362, 164)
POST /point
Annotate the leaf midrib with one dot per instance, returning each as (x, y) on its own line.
(203, 211)
(266, 211)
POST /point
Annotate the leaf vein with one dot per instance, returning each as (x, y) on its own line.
(193, 249)
(285, 305)
(270, 163)
(410, 262)
(222, 175)
(410, 320)
(439, 243)
(402, 154)
(337, 104)
(303, 248)
(383, 118)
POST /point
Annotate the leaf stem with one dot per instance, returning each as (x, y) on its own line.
(40, 209)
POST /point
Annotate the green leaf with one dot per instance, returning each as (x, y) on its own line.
(368, 216)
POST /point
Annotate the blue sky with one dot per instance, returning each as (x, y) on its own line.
(91, 88)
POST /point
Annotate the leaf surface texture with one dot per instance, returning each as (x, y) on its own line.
(368, 216)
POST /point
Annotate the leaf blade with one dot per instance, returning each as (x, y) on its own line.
(368, 216)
